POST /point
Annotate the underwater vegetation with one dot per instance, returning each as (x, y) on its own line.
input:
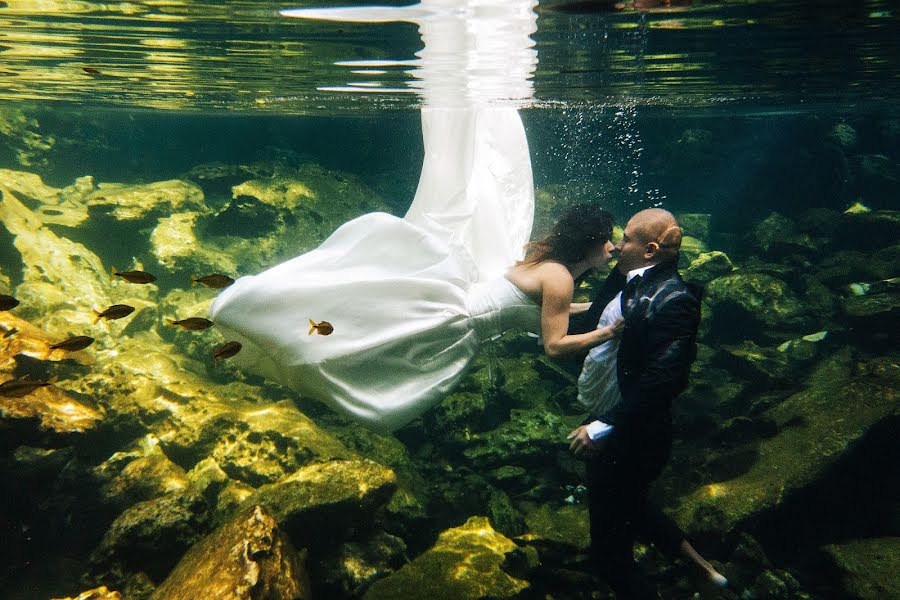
(136, 465)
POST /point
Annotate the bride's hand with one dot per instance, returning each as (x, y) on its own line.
(613, 330)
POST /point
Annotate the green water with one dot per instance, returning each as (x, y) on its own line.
(185, 138)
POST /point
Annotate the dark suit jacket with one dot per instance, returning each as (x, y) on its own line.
(658, 345)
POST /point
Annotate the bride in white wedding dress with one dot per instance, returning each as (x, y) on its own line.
(410, 299)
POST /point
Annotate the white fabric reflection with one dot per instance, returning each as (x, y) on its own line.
(410, 299)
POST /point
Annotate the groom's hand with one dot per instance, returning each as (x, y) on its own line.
(582, 444)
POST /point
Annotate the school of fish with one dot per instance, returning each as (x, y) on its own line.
(22, 386)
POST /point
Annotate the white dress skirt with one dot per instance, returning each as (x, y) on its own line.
(411, 298)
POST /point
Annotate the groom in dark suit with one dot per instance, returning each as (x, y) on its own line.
(628, 386)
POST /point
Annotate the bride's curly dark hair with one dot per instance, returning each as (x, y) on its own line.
(579, 229)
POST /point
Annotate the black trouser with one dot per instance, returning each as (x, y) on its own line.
(618, 484)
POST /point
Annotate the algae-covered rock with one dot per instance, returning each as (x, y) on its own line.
(776, 584)
(530, 435)
(868, 567)
(758, 365)
(357, 565)
(843, 134)
(48, 415)
(691, 249)
(20, 133)
(882, 308)
(148, 476)
(816, 428)
(777, 235)
(63, 282)
(100, 593)
(567, 525)
(249, 558)
(151, 535)
(465, 563)
(127, 202)
(263, 445)
(757, 299)
(707, 266)
(175, 245)
(696, 225)
(327, 496)
(873, 230)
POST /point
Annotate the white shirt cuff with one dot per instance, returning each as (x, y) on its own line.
(598, 429)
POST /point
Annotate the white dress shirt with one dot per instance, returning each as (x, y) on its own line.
(598, 384)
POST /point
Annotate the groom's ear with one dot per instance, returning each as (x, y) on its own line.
(650, 250)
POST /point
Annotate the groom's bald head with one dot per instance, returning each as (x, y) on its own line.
(652, 236)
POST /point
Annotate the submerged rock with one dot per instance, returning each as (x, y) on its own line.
(151, 535)
(175, 244)
(707, 266)
(696, 225)
(100, 593)
(357, 565)
(868, 567)
(530, 435)
(327, 497)
(757, 299)
(128, 202)
(873, 230)
(464, 564)
(567, 526)
(777, 235)
(148, 476)
(816, 427)
(249, 558)
(63, 282)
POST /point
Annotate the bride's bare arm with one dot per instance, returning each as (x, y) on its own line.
(556, 300)
(576, 308)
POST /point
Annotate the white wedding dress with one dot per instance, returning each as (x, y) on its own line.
(410, 299)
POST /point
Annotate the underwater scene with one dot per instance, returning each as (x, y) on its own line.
(265, 333)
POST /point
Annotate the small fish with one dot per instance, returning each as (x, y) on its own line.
(226, 350)
(8, 302)
(216, 280)
(74, 343)
(90, 71)
(324, 328)
(116, 311)
(16, 388)
(11, 332)
(192, 323)
(134, 276)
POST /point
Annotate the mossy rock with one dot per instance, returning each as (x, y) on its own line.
(758, 300)
(100, 593)
(148, 476)
(358, 564)
(869, 568)
(129, 202)
(873, 230)
(696, 225)
(707, 266)
(531, 436)
(245, 559)
(777, 235)
(151, 535)
(567, 525)
(817, 427)
(885, 263)
(464, 564)
(758, 365)
(327, 497)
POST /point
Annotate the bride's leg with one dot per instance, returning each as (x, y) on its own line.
(691, 554)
